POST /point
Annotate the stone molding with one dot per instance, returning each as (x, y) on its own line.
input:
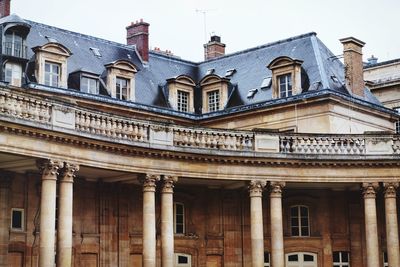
(256, 187)
(149, 182)
(49, 168)
(370, 189)
(168, 183)
(68, 172)
(390, 189)
(276, 189)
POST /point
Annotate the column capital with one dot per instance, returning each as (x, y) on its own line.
(390, 189)
(68, 172)
(276, 189)
(256, 187)
(168, 183)
(149, 182)
(369, 189)
(49, 167)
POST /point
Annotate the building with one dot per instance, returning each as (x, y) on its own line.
(119, 155)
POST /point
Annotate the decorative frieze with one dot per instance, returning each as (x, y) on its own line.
(370, 189)
(256, 187)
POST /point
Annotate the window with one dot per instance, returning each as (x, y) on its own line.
(266, 259)
(385, 260)
(183, 98)
(285, 85)
(179, 218)
(341, 259)
(13, 74)
(13, 45)
(89, 85)
(301, 259)
(397, 123)
(183, 260)
(213, 100)
(51, 74)
(299, 221)
(17, 219)
(122, 88)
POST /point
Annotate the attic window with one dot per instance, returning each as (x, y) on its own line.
(210, 71)
(266, 82)
(230, 72)
(335, 79)
(96, 51)
(51, 39)
(251, 93)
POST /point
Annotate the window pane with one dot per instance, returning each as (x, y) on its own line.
(336, 256)
(183, 259)
(304, 212)
(304, 222)
(304, 231)
(295, 222)
(266, 257)
(345, 257)
(308, 257)
(179, 229)
(293, 258)
(17, 219)
(295, 231)
(294, 211)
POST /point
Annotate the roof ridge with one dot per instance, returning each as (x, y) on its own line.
(89, 37)
(286, 40)
(174, 58)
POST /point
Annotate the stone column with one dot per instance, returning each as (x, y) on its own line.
(149, 220)
(256, 223)
(392, 232)
(371, 226)
(167, 221)
(49, 169)
(277, 248)
(64, 230)
(4, 220)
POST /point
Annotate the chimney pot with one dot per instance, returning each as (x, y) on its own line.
(214, 48)
(353, 65)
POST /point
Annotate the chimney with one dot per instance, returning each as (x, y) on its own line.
(138, 34)
(4, 8)
(353, 65)
(214, 48)
(372, 60)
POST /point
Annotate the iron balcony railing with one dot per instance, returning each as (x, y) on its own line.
(15, 49)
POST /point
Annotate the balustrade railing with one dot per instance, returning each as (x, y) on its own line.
(42, 111)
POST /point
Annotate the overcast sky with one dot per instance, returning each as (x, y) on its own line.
(176, 25)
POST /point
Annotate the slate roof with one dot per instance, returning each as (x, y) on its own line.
(320, 68)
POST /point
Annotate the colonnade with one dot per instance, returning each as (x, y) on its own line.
(51, 170)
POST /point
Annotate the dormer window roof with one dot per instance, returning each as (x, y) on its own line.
(230, 72)
(95, 51)
(266, 82)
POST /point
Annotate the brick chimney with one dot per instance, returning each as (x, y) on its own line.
(214, 48)
(353, 65)
(138, 34)
(4, 8)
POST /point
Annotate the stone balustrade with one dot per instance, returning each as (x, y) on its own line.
(21, 106)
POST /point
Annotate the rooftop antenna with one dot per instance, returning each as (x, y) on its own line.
(204, 11)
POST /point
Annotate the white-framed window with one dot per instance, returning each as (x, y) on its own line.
(213, 100)
(183, 101)
(13, 45)
(397, 123)
(90, 85)
(299, 221)
(179, 218)
(122, 88)
(301, 259)
(183, 260)
(341, 259)
(13, 74)
(17, 219)
(285, 85)
(52, 73)
(385, 260)
(266, 259)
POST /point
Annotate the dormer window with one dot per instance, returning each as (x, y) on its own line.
(89, 85)
(13, 74)
(180, 93)
(286, 77)
(285, 85)
(122, 88)
(13, 45)
(52, 74)
(213, 100)
(121, 80)
(183, 101)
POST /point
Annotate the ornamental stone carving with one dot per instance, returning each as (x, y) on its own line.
(390, 189)
(369, 189)
(69, 171)
(149, 182)
(276, 189)
(168, 183)
(256, 187)
(49, 168)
